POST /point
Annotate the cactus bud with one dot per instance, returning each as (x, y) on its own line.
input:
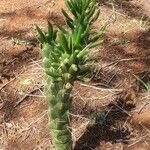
(66, 61)
(53, 73)
(73, 68)
(67, 76)
(68, 86)
(57, 124)
(58, 110)
(64, 67)
(46, 63)
(46, 50)
(51, 100)
(64, 56)
(55, 65)
(82, 53)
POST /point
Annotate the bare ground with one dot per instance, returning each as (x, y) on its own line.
(120, 103)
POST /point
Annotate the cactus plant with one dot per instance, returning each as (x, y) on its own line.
(65, 56)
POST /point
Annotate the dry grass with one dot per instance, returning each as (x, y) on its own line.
(113, 91)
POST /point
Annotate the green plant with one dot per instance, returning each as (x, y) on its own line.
(146, 85)
(65, 59)
(100, 118)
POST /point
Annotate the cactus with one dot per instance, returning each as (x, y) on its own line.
(65, 56)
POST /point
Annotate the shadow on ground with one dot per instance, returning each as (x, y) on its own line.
(15, 64)
(143, 40)
(27, 15)
(111, 130)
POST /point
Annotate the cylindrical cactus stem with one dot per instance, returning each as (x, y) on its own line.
(58, 111)
(63, 61)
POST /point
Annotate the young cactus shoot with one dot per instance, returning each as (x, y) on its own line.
(65, 57)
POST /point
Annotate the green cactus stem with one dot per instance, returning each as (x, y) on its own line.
(65, 57)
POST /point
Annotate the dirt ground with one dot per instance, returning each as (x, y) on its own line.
(112, 112)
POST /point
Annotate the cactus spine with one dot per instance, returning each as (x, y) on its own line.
(65, 56)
